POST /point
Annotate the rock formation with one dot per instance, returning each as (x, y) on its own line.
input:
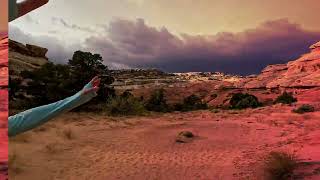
(4, 61)
(301, 73)
(25, 57)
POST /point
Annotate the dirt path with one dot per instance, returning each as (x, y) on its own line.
(229, 145)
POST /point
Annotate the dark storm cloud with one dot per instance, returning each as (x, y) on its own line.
(125, 43)
(138, 45)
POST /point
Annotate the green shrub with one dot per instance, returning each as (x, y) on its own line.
(242, 101)
(285, 98)
(125, 106)
(280, 165)
(53, 82)
(192, 103)
(157, 102)
(303, 109)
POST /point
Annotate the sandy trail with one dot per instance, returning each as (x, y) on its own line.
(229, 145)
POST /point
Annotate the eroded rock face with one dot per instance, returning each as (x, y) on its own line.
(4, 51)
(270, 73)
(301, 73)
(30, 50)
(25, 57)
(37, 51)
(3, 61)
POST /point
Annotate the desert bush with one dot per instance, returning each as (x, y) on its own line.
(125, 106)
(285, 98)
(53, 82)
(157, 102)
(191, 103)
(303, 109)
(242, 101)
(280, 165)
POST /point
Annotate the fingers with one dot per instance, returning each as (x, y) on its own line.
(94, 89)
(95, 78)
(95, 81)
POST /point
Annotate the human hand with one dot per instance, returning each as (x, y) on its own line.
(92, 86)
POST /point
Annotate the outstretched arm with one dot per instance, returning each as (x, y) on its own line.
(17, 10)
(35, 117)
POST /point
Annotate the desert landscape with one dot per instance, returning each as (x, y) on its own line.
(3, 106)
(210, 143)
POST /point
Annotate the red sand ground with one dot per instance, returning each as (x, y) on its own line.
(229, 145)
(3, 133)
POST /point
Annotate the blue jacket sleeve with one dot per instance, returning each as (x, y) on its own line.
(35, 117)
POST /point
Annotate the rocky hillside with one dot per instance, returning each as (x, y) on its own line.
(301, 73)
(3, 61)
(25, 57)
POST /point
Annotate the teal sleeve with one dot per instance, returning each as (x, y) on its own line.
(35, 117)
(13, 10)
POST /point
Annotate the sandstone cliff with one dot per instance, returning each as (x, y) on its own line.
(301, 73)
(25, 57)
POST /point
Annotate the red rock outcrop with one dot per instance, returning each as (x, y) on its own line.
(301, 73)
(4, 61)
(25, 57)
(29, 50)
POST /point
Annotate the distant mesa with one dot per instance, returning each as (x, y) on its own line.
(303, 72)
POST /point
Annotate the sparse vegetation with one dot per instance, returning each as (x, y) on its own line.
(243, 101)
(285, 98)
(125, 105)
(304, 109)
(53, 82)
(280, 165)
(157, 102)
(191, 103)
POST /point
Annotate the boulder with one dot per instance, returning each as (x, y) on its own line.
(184, 137)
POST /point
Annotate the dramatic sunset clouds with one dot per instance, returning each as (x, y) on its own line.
(176, 35)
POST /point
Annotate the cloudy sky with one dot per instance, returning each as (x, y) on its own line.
(175, 35)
